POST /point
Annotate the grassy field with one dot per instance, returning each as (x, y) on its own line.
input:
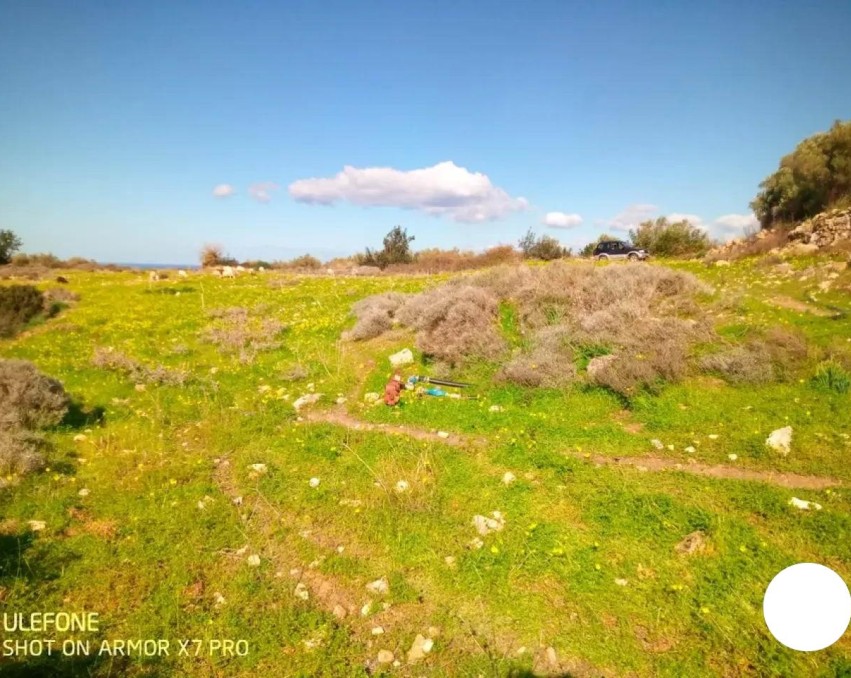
(158, 517)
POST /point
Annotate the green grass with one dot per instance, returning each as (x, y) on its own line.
(158, 539)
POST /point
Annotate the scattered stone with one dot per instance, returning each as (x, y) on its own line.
(218, 599)
(476, 544)
(732, 457)
(79, 438)
(371, 397)
(621, 582)
(780, 440)
(341, 400)
(236, 501)
(402, 486)
(366, 609)
(306, 399)
(442, 434)
(339, 612)
(552, 657)
(657, 444)
(722, 262)
(508, 478)
(83, 492)
(450, 561)
(254, 560)
(258, 468)
(385, 657)
(418, 649)
(496, 408)
(690, 449)
(485, 526)
(804, 505)
(313, 482)
(403, 357)
(713, 436)
(36, 525)
(301, 591)
(694, 542)
(377, 630)
(379, 587)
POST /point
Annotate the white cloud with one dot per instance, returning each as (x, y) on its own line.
(737, 222)
(441, 190)
(693, 219)
(561, 220)
(632, 216)
(262, 192)
(223, 191)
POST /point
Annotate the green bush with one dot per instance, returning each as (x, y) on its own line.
(831, 376)
(9, 244)
(663, 238)
(811, 179)
(545, 247)
(18, 305)
(397, 250)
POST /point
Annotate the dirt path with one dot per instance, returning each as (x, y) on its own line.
(790, 480)
(340, 417)
(800, 306)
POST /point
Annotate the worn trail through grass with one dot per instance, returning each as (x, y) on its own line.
(339, 417)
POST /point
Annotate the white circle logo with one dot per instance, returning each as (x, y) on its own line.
(807, 607)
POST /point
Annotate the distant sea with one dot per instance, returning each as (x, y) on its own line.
(158, 266)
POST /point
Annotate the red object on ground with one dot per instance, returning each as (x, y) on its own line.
(393, 390)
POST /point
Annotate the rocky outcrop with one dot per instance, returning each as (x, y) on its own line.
(823, 230)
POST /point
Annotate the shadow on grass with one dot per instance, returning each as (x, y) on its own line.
(78, 417)
(526, 673)
(170, 291)
(57, 665)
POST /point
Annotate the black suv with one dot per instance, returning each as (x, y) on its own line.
(618, 249)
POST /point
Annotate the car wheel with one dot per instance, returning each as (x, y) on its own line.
(632, 256)
(602, 257)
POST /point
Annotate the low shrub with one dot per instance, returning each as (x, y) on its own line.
(374, 315)
(20, 452)
(454, 322)
(115, 361)
(18, 305)
(236, 331)
(740, 365)
(28, 398)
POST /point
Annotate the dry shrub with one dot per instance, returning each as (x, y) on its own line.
(110, 359)
(20, 452)
(295, 373)
(236, 331)
(375, 315)
(59, 295)
(647, 314)
(28, 398)
(774, 357)
(549, 364)
(436, 260)
(455, 322)
(740, 365)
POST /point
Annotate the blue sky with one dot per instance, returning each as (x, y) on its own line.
(465, 122)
